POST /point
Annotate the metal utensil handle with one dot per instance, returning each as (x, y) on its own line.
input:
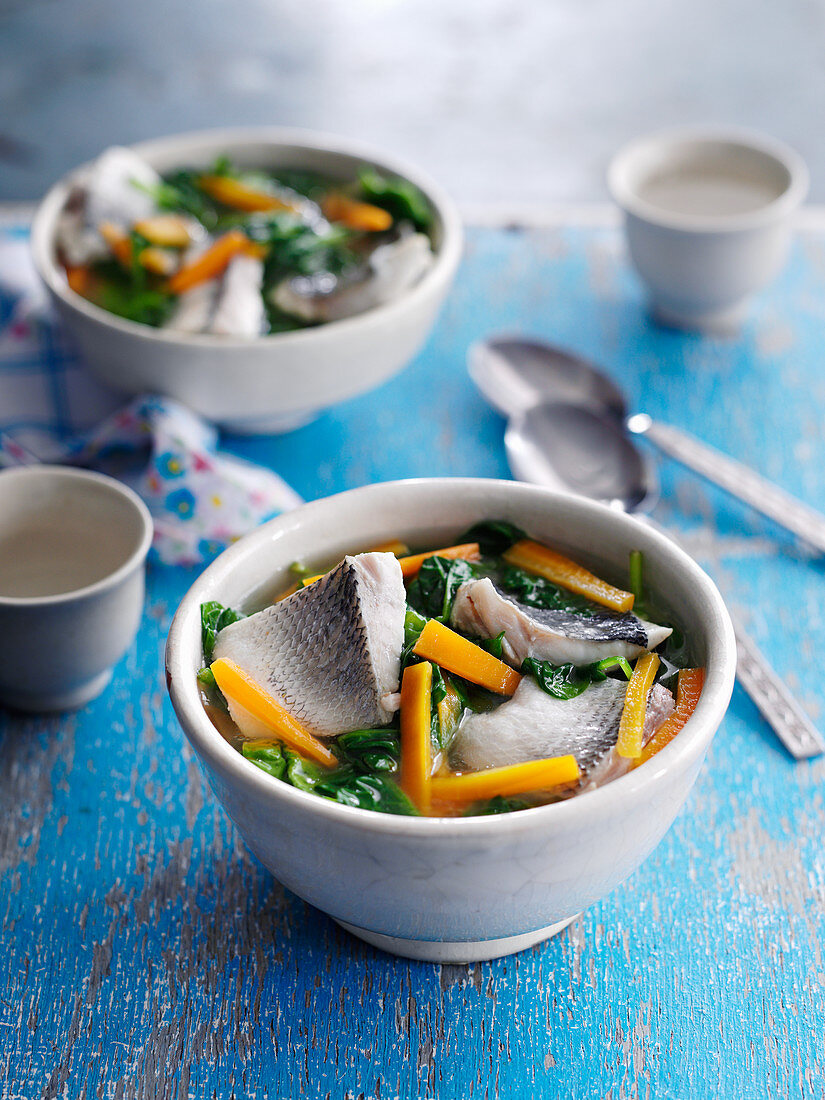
(740, 481)
(775, 702)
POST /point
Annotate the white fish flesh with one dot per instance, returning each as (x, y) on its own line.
(330, 653)
(558, 636)
(390, 270)
(534, 725)
(240, 309)
(112, 189)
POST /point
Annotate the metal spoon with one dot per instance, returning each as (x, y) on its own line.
(578, 449)
(515, 374)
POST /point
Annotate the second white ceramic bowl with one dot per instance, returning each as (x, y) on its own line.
(274, 382)
(701, 268)
(453, 889)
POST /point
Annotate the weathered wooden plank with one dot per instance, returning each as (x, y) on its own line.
(148, 955)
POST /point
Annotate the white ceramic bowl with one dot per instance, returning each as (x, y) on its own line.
(72, 550)
(453, 889)
(702, 267)
(273, 382)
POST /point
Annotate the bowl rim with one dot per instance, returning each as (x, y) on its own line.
(624, 193)
(110, 580)
(679, 755)
(446, 256)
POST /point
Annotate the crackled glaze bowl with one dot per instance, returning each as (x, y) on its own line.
(453, 890)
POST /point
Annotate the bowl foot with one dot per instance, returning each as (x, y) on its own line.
(464, 951)
(268, 425)
(73, 699)
(720, 322)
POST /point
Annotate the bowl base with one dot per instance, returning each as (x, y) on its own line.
(55, 701)
(463, 951)
(273, 424)
(718, 322)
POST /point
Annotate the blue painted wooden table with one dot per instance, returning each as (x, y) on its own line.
(146, 954)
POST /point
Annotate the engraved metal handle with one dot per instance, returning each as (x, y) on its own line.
(774, 700)
(737, 479)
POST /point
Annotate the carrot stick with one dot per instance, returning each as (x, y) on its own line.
(117, 241)
(392, 546)
(536, 775)
(688, 690)
(632, 722)
(80, 279)
(210, 263)
(241, 196)
(356, 215)
(449, 650)
(467, 550)
(166, 230)
(416, 746)
(536, 558)
(240, 686)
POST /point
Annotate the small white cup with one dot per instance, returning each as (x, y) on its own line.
(72, 550)
(707, 217)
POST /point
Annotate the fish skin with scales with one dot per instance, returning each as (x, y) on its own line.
(330, 653)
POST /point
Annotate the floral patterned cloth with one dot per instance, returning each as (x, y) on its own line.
(51, 410)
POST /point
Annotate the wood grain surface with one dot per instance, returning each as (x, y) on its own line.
(145, 953)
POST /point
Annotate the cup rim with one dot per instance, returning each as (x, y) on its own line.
(624, 194)
(446, 257)
(111, 580)
(218, 755)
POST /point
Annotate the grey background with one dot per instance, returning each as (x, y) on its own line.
(506, 101)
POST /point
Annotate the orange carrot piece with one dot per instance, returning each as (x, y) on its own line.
(165, 230)
(536, 775)
(449, 650)
(416, 746)
(210, 263)
(356, 215)
(539, 559)
(241, 196)
(240, 686)
(632, 722)
(160, 261)
(392, 546)
(118, 242)
(688, 690)
(467, 550)
(80, 278)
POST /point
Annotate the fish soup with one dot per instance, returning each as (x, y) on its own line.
(486, 677)
(232, 252)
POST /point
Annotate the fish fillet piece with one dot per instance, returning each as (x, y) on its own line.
(534, 725)
(551, 635)
(240, 309)
(330, 653)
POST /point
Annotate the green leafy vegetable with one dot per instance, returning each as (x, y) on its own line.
(494, 645)
(214, 617)
(347, 784)
(377, 750)
(497, 805)
(567, 681)
(433, 590)
(268, 758)
(493, 536)
(403, 199)
(207, 677)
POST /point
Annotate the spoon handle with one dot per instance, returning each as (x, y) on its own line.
(737, 479)
(774, 700)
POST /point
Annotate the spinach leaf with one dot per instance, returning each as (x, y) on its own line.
(179, 193)
(497, 805)
(269, 758)
(494, 645)
(296, 249)
(403, 199)
(433, 590)
(533, 591)
(132, 298)
(377, 750)
(346, 784)
(568, 680)
(493, 536)
(207, 677)
(214, 617)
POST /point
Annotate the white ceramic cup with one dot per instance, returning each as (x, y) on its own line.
(707, 216)
(72, 551)
(453, 889)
